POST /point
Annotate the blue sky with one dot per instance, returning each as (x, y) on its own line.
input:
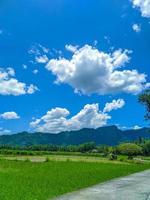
(41, 41)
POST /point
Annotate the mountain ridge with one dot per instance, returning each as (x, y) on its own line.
(109, 135)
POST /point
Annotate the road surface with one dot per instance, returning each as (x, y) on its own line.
(133, 187)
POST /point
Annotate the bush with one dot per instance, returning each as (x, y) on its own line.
(112, 156)
(146, 148)
(121, 159)
(129, 149)
(47, 159)
(27, 160)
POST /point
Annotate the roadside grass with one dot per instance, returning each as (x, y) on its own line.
(44, 180)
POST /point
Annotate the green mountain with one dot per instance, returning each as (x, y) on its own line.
(109, 135)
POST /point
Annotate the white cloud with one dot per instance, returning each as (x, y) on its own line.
(10, 115)
(35, 71)
(11, 86)
(114, 105)
(56, 120)
(39, 53)
(24, 66)
(44, 49)
(71, 48)
(144, 6)
(31, 89)
(11, 71)
(34, 50)
(4, 131)
(136, 28)
(93, 71)
(41, 59)
(136, 127)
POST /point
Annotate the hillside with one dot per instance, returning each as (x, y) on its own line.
(109, 135)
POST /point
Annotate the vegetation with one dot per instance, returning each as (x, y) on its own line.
(129, 149)
(139, 147)
(109, 135)
(42, 181)
(144, 98)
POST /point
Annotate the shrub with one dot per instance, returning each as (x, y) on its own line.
(146, 148)
(27, 160)
(47, 159)
(112, 156)
(129, 149)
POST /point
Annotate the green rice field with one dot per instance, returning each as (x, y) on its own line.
(24, 180)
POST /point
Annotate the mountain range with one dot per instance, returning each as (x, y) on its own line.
(109, 135)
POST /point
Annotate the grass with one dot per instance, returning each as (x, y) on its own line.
(41, 181)
(57, 158)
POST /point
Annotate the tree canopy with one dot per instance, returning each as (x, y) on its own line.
(144, 98)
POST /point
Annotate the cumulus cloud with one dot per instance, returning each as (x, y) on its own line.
(136, 28)
(35, 71)
(144, 6)
(57, 120)
(11, 86)
(41, 59)
(93, 71)
(24, 66)
(4, 131)
(71, 48)
(31, 89)
(10, 115)
(40, 53)
(114, 105)
(136, 127)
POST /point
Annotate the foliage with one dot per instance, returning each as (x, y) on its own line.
(146, 148)
(110, 136)
(139, 147)
(145, 99)
(112, 156)
(129, 149)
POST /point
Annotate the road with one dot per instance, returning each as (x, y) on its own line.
(133, 187)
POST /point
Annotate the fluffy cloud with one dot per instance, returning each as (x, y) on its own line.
(136, 28)
(35, 71)
(56, 120)
(71, 48)
(4, 131)
(40, 53)
(114, 105)
(144, 6)
(11, 86)
(136, 127)
(24, 66)
(93, 71)
(41, 59)
(10, 115)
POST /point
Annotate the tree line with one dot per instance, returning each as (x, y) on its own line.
(139, 147)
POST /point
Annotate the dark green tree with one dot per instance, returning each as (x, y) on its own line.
(129, 149)
(146, 148)
(144, 98)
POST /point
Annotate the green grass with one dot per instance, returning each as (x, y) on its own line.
(41, 181)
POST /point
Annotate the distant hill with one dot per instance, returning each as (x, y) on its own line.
(109, 135)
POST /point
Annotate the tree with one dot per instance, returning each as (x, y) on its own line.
(103, 149)
(86, 147)
(144, 98)
(146, 148)
(129, 149)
